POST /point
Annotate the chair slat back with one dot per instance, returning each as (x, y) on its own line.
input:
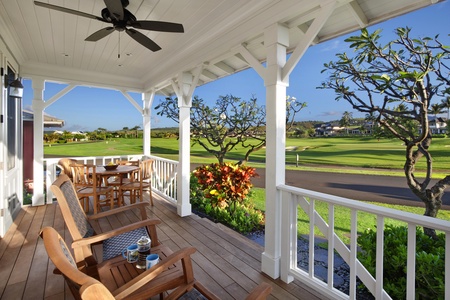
(128, 162)
(65, 163)
(84, 175)
(72, 211)
(146, 169)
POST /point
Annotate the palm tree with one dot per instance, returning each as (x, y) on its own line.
(125, 129)
(436, 109)
(346, 120)
(445, 103)
(136, 129)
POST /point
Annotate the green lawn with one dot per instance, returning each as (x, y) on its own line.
(334, 153)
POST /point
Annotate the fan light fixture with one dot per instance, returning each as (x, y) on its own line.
(15, 88)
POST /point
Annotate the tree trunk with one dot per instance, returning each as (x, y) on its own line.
(432, 205)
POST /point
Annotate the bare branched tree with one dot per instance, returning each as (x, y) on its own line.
(396, 83)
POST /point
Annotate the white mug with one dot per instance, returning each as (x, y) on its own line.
(151, 260)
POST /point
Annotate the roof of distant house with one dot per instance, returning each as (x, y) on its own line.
(49, 121)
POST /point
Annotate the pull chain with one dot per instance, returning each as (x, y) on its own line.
(118, 53)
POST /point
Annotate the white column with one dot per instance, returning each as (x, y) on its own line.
(184, 94)
(38, 106)
(147, 99)
(276, 41)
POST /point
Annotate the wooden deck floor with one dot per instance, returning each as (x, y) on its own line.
(225, 261)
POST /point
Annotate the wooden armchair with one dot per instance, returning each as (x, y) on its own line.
(160, 278)
(144, 183)
(128, 282)
(86, 232)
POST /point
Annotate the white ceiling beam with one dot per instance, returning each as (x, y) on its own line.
(358, 14)
(224, 67)
(252, 61)
(59, 95)
(133, 102)
(313, 30)
(209, 74)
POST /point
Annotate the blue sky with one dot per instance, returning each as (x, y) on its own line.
(79, 108)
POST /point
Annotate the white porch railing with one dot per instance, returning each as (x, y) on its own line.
(294, 198)
(164, 181)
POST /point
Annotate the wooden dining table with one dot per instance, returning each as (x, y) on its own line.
(121, 171)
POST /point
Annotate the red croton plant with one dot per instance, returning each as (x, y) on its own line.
(225, 184)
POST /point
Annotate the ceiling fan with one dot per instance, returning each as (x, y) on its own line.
(116, 14)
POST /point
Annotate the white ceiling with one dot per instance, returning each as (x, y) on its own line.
(51, 44)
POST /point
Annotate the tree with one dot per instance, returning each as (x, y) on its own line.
(406, 73)
(101, 133)
(292, 108)
(346, 120)
(230, 123)
(125, 131)
(445, 104)
(436, 109)
(136, 130)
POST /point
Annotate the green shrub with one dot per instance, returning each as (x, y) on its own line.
(430, 258)
(221, 192)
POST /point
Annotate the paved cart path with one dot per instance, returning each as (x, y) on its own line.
(384, 189)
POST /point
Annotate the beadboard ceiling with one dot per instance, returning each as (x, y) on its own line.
(51, 44)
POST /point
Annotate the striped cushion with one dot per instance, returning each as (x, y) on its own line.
(78, 214)
(114, 246)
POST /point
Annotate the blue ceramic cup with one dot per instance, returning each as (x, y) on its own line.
(151, 260)
(131, 253)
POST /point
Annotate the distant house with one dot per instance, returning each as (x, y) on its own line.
(328, 129)
(437, 125)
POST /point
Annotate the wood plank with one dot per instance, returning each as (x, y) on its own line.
(7, 263)
(225, 262)
(22, 268)
(37, 278)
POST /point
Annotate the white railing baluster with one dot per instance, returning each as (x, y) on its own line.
(311, 237)
(330, 238)
(411, 263)
(447, 265)
(353, 252)
(380, 256)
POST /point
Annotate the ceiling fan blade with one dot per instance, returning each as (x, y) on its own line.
(115, 8)
(68, 10)
(143, 40)
(157, 26)
(99, 34)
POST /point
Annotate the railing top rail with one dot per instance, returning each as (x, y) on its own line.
(408, 217)
(164, 159)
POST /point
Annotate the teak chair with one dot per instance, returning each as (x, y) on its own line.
(118, 278)
(88, 185)
(65, 163)
(116, 181)
(154, 281)
(85, 231)
(144, 183)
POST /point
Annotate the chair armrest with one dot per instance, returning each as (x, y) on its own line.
(184, 255)
(109, 234)
(94, 290)
(140, 205)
